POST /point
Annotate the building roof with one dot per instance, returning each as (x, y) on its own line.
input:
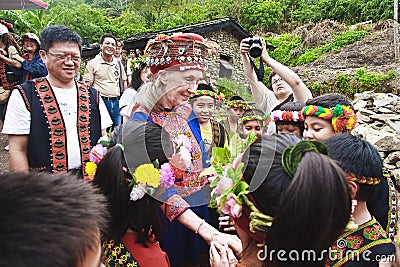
(140, 40)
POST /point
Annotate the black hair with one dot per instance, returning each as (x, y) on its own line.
(58, 34)
(355, 155)
(108, 35)
(8, 40)
(113, 179)
(329, 101)
(310, 210)
(48, 220)
(290, 106)
(236, 97)
(272, 74)
(202, 86)
(253, 111)
(136, 79)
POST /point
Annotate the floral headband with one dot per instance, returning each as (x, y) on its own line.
(238, 104)
(219, 98)
(285, 115)
(264, 119)
(343, 118)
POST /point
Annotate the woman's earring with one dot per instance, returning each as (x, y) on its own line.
(351, 225)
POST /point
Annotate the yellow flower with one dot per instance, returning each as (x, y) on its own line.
(146, 174)
(90, 169)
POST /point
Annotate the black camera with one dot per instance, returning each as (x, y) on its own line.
(255, 46)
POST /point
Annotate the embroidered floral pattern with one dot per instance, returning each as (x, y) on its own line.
(116, 254)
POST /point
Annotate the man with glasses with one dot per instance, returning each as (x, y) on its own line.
(104, 73)
(52, 122)
(286, 84)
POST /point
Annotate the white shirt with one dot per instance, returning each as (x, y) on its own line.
(18, 119)
(127, 101)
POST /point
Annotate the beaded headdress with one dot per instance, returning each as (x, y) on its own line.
(185, 50)
(343, 118)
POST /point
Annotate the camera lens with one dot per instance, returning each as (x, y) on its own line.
(255, 50)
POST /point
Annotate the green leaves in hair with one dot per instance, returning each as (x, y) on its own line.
(293, 154)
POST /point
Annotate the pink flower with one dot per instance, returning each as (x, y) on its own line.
(97, 153)
(183, 140)
(167, 175)
(231, 207)
(225, 183)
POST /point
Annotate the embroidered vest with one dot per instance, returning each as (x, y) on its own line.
(47, 143)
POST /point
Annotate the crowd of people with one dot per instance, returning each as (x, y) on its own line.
(132, 167)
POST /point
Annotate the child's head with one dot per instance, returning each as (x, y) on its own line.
(288, 118)
(236, 107)
(355, 155)
(253, 121)
(53, 220)
(284, 177)
(203, 102)
(133, 144)
(327, 115)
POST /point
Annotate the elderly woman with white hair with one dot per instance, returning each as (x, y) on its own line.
(177, 63)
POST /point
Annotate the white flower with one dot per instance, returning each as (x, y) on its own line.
(186, 156)
(137, 192)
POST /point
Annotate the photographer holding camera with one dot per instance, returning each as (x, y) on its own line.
(286, 84)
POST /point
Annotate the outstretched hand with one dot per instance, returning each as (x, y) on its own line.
(221, 256)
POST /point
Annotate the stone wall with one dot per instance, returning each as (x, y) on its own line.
(379, 123)
(229, 48)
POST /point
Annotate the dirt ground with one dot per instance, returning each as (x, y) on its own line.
(3, 153)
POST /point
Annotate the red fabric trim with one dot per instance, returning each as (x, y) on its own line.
(174, 207)
(83, 125)
(56, 126)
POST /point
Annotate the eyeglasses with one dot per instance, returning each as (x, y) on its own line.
(66, 57)
(277, 80)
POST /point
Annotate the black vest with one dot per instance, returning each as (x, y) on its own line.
(46, 146)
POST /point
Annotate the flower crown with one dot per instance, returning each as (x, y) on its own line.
(343, 118)
(264, 119)
(285, 115)
(219, 97)
(238, 104)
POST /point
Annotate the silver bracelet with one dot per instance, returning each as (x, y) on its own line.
(198, 227)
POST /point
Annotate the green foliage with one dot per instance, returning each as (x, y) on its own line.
(232, 88)
(349, 85)
(341, 40)
(263, 15)
(285, 44)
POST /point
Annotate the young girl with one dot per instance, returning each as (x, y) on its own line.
(331, 114)
(253, 121)
(236, 106)
(363, 165)
(291, 198)
(288, 118)
(134, 224)
(212, 131)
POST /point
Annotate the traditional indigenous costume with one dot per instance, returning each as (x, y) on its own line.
(182, 52)
(363, 246)
(383, 203)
